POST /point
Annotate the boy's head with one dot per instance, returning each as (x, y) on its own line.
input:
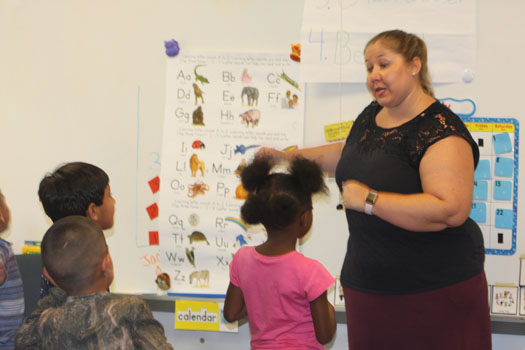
(4, 213)
(78, 189)
(76, 257)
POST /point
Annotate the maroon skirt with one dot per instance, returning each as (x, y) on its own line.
(456, 317)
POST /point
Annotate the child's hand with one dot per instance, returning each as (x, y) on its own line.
(3, 274)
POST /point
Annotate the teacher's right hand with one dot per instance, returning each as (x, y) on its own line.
(270, 152)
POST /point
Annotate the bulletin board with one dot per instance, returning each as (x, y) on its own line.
(495, 198)
(87, 82)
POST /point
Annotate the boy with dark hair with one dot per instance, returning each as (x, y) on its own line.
(77, 188)
(86, 316)
(11, 290)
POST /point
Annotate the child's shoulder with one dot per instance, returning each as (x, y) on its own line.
(126, 299)
(245, 250)
(119, 306)
(309, 262)
(5, 245)
(5, 251)
(129, 303)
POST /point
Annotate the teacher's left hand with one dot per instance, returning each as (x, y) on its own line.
(354, 195)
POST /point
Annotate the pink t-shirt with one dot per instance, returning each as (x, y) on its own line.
(277, 292)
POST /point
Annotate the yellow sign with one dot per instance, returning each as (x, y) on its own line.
(479, 126)
(490, 127)
(335, 132)
(197, 315)
(504, 127)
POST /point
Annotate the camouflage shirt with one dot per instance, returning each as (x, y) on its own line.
(95, 321)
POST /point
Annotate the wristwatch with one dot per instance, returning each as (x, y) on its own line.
(370, 201)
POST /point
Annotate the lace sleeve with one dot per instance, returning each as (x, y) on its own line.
(437, 124)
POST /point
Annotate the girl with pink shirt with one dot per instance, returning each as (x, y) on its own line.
(282, 292)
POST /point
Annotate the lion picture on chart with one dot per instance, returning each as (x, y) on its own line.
(196, 165)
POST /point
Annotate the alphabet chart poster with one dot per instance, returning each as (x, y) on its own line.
(220, 108)
(495, 197)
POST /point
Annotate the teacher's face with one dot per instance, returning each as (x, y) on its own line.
(390, 79)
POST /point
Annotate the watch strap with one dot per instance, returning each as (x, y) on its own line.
(370, 201)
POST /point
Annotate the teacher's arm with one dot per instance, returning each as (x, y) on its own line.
(447, 177)
(327, 156)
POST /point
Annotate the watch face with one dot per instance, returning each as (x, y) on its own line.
(370, 201)
(371, 197)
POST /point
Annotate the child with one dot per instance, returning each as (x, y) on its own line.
(77, 189)
(11, 290)
(77, 260)
(282, 292)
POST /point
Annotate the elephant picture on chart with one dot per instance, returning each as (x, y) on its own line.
(252, 95)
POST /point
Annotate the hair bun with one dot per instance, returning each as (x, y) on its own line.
(281, 207)
(252, 211)
(308, 175)
(254, 175)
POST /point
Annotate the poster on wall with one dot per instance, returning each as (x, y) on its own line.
(220, 109)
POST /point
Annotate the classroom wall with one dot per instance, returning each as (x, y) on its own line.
(85, 81)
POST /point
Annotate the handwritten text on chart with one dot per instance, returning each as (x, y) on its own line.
(150, 260)
(335, 32)
(342, 52)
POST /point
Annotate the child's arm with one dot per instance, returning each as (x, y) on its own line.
(323, 315)
(3, 266)
(3, 273)
(234, 306)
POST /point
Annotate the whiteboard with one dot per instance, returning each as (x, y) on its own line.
(85, 81)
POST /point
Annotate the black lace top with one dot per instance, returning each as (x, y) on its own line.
(383, 258)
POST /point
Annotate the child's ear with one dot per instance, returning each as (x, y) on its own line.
(306, 218)
(92, 211)
(4, 214)
(302, 218)
(107, 266)
(46, 275)
(305, 222)
(3, 222)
